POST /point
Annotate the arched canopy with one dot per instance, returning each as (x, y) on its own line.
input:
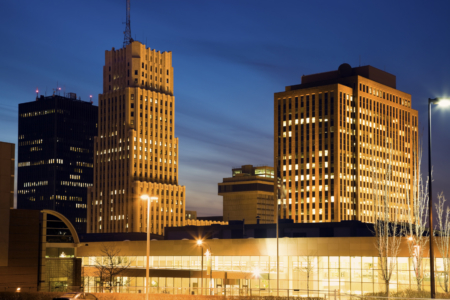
(59, 229)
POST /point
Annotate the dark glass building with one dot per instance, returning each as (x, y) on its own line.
(56, 145)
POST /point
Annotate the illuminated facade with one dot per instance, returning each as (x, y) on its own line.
(347, 265)
(56, 149)
(248, 195)
(136, 151)
(330, 132)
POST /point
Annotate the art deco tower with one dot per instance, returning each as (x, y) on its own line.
(331, 132)
(136, 151)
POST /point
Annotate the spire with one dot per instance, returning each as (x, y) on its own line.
(127, 38)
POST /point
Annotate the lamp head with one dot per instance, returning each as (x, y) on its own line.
(443, 102)
(199, 242)
(144, 197)
(256, 273)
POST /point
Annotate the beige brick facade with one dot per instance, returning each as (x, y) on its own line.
(136, 151)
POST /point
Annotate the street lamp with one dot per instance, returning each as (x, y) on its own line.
(147, 271)
(440, 102)
(200, 243)
(209, 257)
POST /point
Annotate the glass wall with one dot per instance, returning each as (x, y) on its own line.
(345, 274)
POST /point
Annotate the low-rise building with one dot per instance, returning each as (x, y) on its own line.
(249, 195)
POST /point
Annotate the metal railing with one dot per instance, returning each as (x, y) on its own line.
(252, 292)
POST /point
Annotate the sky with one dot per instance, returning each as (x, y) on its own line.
(229, 58)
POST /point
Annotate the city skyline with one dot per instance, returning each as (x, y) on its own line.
(225, 76)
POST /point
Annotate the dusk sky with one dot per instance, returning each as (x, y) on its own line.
(229, 58)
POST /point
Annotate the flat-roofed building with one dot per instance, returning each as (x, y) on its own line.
(56, 155)
(331, 133)
(330, 259)
(248, 195)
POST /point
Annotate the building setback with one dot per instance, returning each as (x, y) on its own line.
(248, 195)
(136, 151)
(55, 164)
(331, 132)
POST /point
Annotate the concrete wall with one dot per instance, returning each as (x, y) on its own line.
(23, 257)
(6, 196)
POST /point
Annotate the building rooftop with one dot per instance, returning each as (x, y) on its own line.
(239, 230)
(117, 237)
(342, 74)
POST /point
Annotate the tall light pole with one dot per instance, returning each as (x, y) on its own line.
(147, 271)
(200, 243)
(208, 254)
(441, 102)
(277, 218)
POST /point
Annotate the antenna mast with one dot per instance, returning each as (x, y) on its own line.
(127, 38)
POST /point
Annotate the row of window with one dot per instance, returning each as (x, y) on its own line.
(384, 95)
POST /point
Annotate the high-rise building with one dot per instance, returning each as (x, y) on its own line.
(136, 151)
(331, 132)
(55, 163)
(249, 195)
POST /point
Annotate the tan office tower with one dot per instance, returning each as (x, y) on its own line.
(248, 195)
(136, 151)
(330, 131)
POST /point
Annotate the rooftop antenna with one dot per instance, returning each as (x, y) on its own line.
(127, 38)
(90, 97)
(37, 93)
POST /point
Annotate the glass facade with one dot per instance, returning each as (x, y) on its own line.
(298, 274)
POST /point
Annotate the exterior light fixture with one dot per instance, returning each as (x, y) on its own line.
(147, 271)
(256, 273)
(442, 102)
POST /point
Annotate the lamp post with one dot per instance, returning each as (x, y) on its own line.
(209, 266)
(147, 270)
(199, 243)
(277, 218)
(208, 254)
(442, 102)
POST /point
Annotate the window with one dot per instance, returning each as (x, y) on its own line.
(135, 72)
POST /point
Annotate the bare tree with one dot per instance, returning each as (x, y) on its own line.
(307, 265)
(387, 230)
(110, 265)
(443, 242)
(416, 224)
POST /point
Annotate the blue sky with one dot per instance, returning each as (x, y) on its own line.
(229, 57)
